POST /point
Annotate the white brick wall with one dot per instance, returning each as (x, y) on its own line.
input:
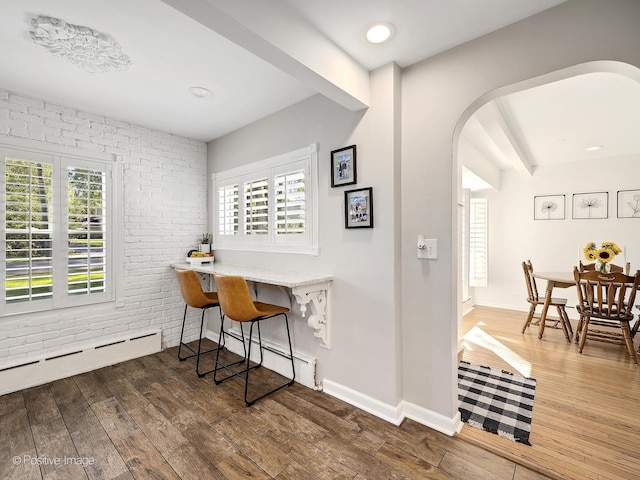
(165, 192)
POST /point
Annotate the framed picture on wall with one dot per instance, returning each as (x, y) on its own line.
(548, 207)
(343, 166)
(591, 205)
(629, 204)
(358, 208)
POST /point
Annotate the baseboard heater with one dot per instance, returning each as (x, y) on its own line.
(66, 363)
(305, 366)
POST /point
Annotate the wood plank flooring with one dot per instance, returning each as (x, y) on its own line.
(154, 418)
(585, 415)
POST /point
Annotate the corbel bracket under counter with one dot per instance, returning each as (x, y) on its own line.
(315, 295)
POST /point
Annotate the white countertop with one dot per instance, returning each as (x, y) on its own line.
(253, 274)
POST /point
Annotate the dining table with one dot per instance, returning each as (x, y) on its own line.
(563, 279)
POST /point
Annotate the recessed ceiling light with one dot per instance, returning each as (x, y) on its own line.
(594, 147)
(379, 33)
(201, 92)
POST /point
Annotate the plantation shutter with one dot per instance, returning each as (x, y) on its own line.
(290, 202)
(228, 211)
(256, 207)
(86, 233)
(28, 230)
(478, 243)
(269, 205)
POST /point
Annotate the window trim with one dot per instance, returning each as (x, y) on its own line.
(61, 155)
(274, 166)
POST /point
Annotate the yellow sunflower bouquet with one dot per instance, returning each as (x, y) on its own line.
(601, 255)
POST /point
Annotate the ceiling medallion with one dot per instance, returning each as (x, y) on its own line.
(85, 48)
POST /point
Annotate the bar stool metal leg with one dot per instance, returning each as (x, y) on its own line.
(198, 352)
(293, 369)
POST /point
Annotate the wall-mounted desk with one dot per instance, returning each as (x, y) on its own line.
(309, 290)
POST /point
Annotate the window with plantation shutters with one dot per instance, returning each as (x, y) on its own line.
(277, 209)
(56, 235)
(28, 230)
(228, 212)
(86, 234)
(256, 207)
(290, 203)
(478, 242)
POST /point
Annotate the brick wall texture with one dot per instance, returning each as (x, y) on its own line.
(164, 212)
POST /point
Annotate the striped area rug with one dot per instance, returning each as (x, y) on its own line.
(496, 401)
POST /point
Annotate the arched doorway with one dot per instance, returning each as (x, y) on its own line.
(567, 243)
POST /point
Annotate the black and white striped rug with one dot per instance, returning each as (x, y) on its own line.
(496, 401)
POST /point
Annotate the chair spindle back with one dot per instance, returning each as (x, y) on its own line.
(607, 295)
(532, 289)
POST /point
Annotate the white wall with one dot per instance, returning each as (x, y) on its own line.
(164, 212)
(437, 94)
(553, 245)
(364, 309)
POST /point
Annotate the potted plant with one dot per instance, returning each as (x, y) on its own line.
(205, 242)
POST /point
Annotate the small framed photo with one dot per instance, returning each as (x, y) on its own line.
(343, 166)
(629, 204)
(548, 207)
(591, 205)
(358, 208)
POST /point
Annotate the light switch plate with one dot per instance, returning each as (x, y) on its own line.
(431, 246)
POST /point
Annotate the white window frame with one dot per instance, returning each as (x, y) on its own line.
(61, 158)
(305, 243)
(464, 244)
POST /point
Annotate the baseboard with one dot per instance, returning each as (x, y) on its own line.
(570, 309)
(364, 402)
(431, 419)
(66, 363)
(391, 414)
(305, 366)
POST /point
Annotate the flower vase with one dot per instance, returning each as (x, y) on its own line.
(603, 267)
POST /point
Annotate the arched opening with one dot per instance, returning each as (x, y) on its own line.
(520, 233)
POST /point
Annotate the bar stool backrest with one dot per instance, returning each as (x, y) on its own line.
(191, 289)
(235, 298)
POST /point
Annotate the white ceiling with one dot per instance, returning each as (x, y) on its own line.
(171, 52)
(423, 28)
(556, 123)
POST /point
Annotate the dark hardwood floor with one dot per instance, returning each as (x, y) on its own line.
(154, 418)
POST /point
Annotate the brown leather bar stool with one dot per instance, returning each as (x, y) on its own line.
(195, 297)
(237, 304)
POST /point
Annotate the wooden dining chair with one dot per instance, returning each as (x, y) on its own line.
(237, 304)
(605, 303)
(534, 300)
(590, 267)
